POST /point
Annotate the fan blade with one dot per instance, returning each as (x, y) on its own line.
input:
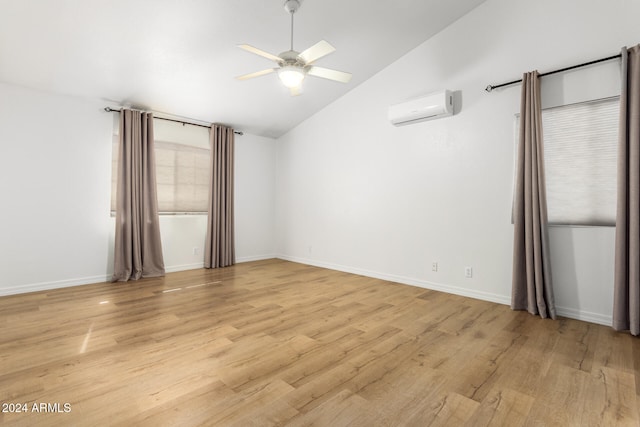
(326, 73)
(257, 51)
(317, 51)
(295, 91)
(256, 74)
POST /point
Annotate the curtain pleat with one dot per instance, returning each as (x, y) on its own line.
(138, 249)
(531, 284)
(220, 242)
(626, 301)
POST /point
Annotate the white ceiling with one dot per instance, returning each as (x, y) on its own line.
(180, 57)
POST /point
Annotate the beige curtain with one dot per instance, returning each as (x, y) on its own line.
(531, 283)
(626, 302)
(138, 250)
(220, 243)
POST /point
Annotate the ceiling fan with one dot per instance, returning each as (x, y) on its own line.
(294, 66)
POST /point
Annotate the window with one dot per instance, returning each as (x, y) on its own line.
(182, 167)
(580, 148)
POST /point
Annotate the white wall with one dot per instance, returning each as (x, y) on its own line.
(357, 194)
(255, 177)
(55, 183)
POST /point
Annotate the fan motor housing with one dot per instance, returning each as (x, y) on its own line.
(292, 6)
(290, 57)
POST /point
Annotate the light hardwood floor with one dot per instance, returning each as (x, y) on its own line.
(278, 343)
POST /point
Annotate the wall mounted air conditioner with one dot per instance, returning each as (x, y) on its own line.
(429, 107)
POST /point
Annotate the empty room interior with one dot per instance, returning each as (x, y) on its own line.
(319, 212)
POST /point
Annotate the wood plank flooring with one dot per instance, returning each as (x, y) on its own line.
(272, 343)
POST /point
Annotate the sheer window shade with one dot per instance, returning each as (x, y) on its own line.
(580, 150)
(182, 168)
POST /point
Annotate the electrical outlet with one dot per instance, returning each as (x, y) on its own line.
(434, 266)
(196, 250)
(468, 272)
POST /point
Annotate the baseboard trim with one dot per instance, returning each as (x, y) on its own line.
(58, 284)
(586, 316)
(485, 296)
(256, 258)
(47, 286)
(571, 313)
(183, 267)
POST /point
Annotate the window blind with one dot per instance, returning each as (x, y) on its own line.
(182, 174)
(580, 148)
(182, 168)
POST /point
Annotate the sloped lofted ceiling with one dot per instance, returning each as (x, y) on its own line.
(180, 57)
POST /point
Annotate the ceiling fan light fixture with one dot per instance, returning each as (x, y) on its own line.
(293, 66)
(291, 76)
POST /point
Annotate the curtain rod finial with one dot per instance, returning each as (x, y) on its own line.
(489, 88)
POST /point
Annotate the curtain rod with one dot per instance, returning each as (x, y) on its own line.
(609, 58)
(112, 110)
